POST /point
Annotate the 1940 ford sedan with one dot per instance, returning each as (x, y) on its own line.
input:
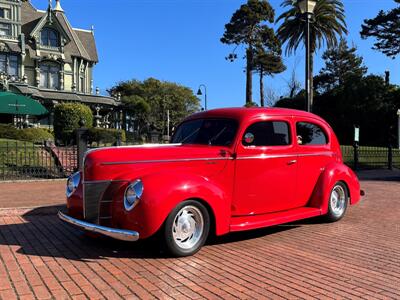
(226, 170)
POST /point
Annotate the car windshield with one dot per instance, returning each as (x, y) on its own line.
(216, 132)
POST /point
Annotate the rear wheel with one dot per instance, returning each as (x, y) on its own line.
(186, 228)
(338, 202)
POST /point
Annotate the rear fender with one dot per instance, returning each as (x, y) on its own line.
(333, 173)
(164, 191)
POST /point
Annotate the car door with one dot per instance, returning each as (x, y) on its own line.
(314, 153)
(266, 168)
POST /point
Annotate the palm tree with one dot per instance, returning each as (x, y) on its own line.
(327, 24)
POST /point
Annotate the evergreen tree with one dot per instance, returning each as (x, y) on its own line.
(246, 27)
(341, 64)
(385, 28)
(267, 59)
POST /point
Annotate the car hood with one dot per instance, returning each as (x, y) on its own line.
(128, 162)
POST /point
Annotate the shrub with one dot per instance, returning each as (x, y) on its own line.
(67, 117)
(35, 135)
(107, 136)
(8, 131)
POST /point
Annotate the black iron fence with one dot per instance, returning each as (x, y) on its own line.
(25, 160)
(21, 160)
(364, 157)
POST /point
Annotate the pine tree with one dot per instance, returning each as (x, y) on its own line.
(385, 28)
(245, 28)
(267, 59)
(341, 64)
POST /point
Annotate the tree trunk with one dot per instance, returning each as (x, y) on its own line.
(262, 103)
(249, 77)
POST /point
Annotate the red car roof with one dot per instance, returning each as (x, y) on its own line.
(244, 113)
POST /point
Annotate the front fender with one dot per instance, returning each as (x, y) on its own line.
(333, 173)
(165, 190)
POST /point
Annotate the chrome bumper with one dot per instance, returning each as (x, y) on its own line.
(119, 234)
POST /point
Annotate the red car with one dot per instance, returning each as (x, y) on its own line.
(226, 170)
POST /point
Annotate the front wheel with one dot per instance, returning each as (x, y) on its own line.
(338, 202)
(186, 228)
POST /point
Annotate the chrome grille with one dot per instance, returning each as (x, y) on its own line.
(93, 192)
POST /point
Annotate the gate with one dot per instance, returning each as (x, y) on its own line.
(26, 161)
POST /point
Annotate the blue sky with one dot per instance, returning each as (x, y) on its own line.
(178, 40)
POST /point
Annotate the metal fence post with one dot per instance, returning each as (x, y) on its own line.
(390, 157)
(81, 141)
(119, 138)
(355, 147)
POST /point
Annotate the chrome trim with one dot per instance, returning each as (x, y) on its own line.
(165, 160)
(138, 194)
(266, 156)
(76, 179)
(119, 234)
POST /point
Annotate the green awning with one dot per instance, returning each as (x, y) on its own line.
(16, 104)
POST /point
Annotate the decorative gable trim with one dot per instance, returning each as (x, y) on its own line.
(50, 19)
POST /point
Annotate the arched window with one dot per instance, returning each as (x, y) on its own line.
(50, 75)
(49, 37)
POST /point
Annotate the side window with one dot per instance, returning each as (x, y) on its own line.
(310, 134)
(267, 133)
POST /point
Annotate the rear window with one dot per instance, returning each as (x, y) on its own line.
(310, 134)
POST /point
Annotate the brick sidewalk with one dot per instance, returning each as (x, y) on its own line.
(357, 257)
(32, 193)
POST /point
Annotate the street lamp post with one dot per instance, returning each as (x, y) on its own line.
(199, 93)
(307, 9)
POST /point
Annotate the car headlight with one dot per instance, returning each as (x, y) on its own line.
(133, 193)
(72, 183)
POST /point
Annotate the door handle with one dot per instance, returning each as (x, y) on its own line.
(291, 162)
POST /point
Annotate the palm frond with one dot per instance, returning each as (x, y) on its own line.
(328, 24)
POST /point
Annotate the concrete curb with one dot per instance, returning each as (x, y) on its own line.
(32, 211)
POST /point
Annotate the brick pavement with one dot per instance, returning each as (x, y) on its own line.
(357, 257)
(20, 194)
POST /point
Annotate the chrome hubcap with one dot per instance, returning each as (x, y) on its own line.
(338, 200)
(187, 228)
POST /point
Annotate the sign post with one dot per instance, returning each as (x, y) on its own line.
(356, 145)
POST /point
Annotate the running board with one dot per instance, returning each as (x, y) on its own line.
(271, 219)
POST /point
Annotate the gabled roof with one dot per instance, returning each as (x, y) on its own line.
(81, 43)
(55, 21)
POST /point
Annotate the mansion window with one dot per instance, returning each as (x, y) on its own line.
(49, 37)
(50, 76)
(4, 13)
(5, 29)
(9, 64)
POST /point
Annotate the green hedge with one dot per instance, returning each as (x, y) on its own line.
(67, 117)
(106, 136)
(35, 135)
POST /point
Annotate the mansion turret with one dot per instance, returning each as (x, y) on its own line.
(43, 56)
